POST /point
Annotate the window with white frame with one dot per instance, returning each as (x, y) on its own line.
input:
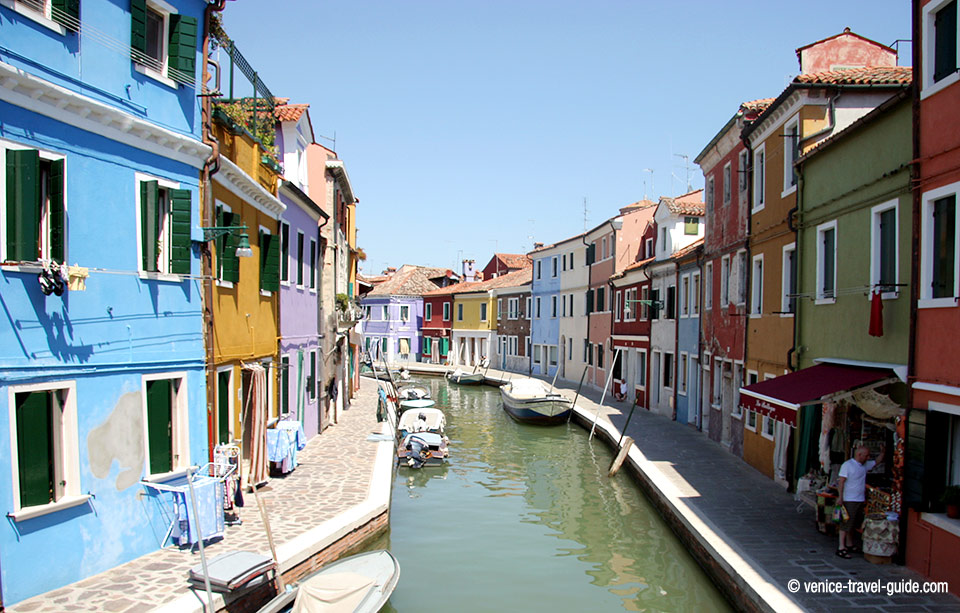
(645, 302)
(284, 253)
(708, 286)
(603, 248)
(513, 308)
(940, 256)
(538, 307)
(741, 275)
(553, 307)
(756, 291)
(727, 183)
(385, 312)
(751, 421)
(791, 151)
(788, 281)
(163, 220)
(446, 311)
(43, 445)
(499, 308)
(529, 312)
(827, 262)
(667, 370)
(648, 247)
(685, 296)
(710, 194)
(725, 280)
(163, 42)
(554, 264)
(768, 427)
(34, 212)
(552, 354)
(539, 268)
(884, 269)
(682, 374)
(427, 311)
(618, 309)
(404, 312)
(165, 422)
(759, 178)
(640, 378)
(460, 312)
(941, 54)
(695, 294)
(313, 265)
(301, 259)
(630, 304)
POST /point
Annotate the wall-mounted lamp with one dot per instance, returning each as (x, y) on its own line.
(243, 245)
(657, 304)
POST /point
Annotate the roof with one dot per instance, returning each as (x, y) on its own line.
(871, 75)
(511, 279)
(846, 32)
(757, 105)
(408, 281)
(638, 265)
(513, 260)
(782, 397)
(689, 249)
(686, 204)
(748, 111)
(289, 112)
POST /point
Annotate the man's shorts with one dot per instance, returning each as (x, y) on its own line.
(855, 511)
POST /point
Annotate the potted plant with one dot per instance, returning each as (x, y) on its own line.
(342, 302)
(951, 498)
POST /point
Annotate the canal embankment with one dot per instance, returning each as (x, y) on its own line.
(336, 501)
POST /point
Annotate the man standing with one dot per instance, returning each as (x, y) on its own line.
(852, 485)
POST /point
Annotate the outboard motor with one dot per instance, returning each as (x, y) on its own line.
(418, 452)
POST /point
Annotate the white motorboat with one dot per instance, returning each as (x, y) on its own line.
(530, 401)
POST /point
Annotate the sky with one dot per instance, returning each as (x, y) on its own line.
(473, 127)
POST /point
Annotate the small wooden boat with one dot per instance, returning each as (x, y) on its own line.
(360, 583)
(420, 449)
(529, 401)
(461, 378)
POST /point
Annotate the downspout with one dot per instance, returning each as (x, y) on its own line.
(210, 167)
(700, 335)
(831, 123)
(676, 342)
(746, 245)
(586, 337)
(796, 258)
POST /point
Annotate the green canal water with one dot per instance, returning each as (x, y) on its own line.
(525, 518)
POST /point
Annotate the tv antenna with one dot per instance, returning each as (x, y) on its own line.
(585, 212)
(686, 166)
(653, 186)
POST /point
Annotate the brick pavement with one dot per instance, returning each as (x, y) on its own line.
(335, 477)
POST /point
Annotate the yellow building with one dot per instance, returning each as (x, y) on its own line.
(244, 297)
(474, 324)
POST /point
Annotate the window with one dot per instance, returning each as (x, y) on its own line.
(668, 370)
(759, 180)
(939, 244)
(483, 311)
(44, 448)
(269, 261)
(737, 410)
(741, 277)
(655, 305)
(742, 171)
(564, 261)
(710, 194)
(618, 309)
(751, 421)
(563, 306)
(312, 370)
(572, 312)
(685, 296)
(428, 311)
(630, 304)
(756, 290)
(163, 43)
(284, 252)
(554, 263)
(513, 308)
(300, 259)
(788, 300)
(167, 438)
(791, 151)
(552, 352)
(425, 346)
(883, 243)
(682, 374)
(587, 352)
(695, 295)
(386, 312)
(600, 352)
(727, 183)
(603, 248)
(539, 268)
(499, 308)
(940, 52)
(163, 212)
(446, 311)
(768, 426)
(725, 281)
(648, 246)
(553, 306)
(708, 287)
(35, 209)
(313, 264)
(404, 312)
(691, 226)
(645, 302)
(58, 15)
(601, 299)
(591, 253)
(672, 302)
(538, 307)
(641, 374)
(460, 312)
(664, 237)
(570, 348)
(589, 301)
(571, 260)
(827, 262)
(529, 312)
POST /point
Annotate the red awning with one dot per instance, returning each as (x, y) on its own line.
(782, 397)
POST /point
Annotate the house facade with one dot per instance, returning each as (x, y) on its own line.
(687, 261)
(513, 327)
(574, 279)
(545, 314)
(631, 329)
(98, 391)
(437, 330)
(394, 315)
(934, 413)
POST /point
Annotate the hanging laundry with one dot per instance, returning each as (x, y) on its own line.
(876, 315)
(77, 278)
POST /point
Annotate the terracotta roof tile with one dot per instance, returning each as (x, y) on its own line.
(514, 260)
(757, 105)
(408, 281)
(290, 112)
(686, 204)
(682, 253)
(872, 75)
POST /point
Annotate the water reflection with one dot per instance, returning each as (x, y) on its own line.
(526, 517)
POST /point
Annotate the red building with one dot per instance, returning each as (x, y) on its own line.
(933, 421)
(631, 327)
(502, 263)
(726, 172)
(437, 329)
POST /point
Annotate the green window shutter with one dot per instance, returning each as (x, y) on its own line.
(35, 455)
(149, 224)
(589, 301)
(285, 252)
(444, 346)
(228, 261)
(829, 243)
(182, 51)
(269, 262)
(299, 259)
(426, 346)
(23, 204)
(285, 386)
(312, 382)
(223, 406)
(67, 13)
(57, 218)
(313, 265)
(138, 29)
(160, 425)
(180, 206)
(945, 42)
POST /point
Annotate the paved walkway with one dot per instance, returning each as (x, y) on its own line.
(338, 474)
(753, 520)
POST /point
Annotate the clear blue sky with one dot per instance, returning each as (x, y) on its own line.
(472, 126)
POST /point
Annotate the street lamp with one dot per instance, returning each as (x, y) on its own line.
(243, 242)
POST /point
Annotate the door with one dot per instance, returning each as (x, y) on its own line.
(223, 406)
(654, 383)
(160, 425)
(693, 391)
(246, 402)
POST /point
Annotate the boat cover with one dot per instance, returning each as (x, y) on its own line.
(422, 420)
(527, 388)
(332, 593)
(232, 570)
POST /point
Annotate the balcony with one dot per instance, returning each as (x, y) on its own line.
(349, 312)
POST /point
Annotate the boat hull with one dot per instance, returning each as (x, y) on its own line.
(471, 379)
(546, 413)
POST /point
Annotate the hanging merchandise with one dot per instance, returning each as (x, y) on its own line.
(876, 405)
(50, 283)
(77, 278)
(876, 315)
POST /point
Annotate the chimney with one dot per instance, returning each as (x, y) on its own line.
(537, 245)
(469, 273)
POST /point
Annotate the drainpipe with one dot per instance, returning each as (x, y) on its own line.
(583, 239)
(700, 294)
(792, 351)
(210, 167)
(676, 342)
(831, 122)
(746, 245)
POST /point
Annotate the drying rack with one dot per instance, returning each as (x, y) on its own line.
(180, 487)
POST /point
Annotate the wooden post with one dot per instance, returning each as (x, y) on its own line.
(618, 461)
(273, 549)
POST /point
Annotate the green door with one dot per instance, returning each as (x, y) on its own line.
(35, 448)
(160, 425)
(223, 406)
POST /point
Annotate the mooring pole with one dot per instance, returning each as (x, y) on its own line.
(603, 396)
(577, 397)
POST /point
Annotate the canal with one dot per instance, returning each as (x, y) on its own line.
(525, 518)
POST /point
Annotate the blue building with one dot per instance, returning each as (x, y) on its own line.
(101, 343)
(688, 332)
(546, 309)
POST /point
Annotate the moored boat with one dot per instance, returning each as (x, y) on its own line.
(422, 420)
(360, 583)
(419, 403)
(461, 378)
(419, 449)
(529, 401)
(413, 392)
